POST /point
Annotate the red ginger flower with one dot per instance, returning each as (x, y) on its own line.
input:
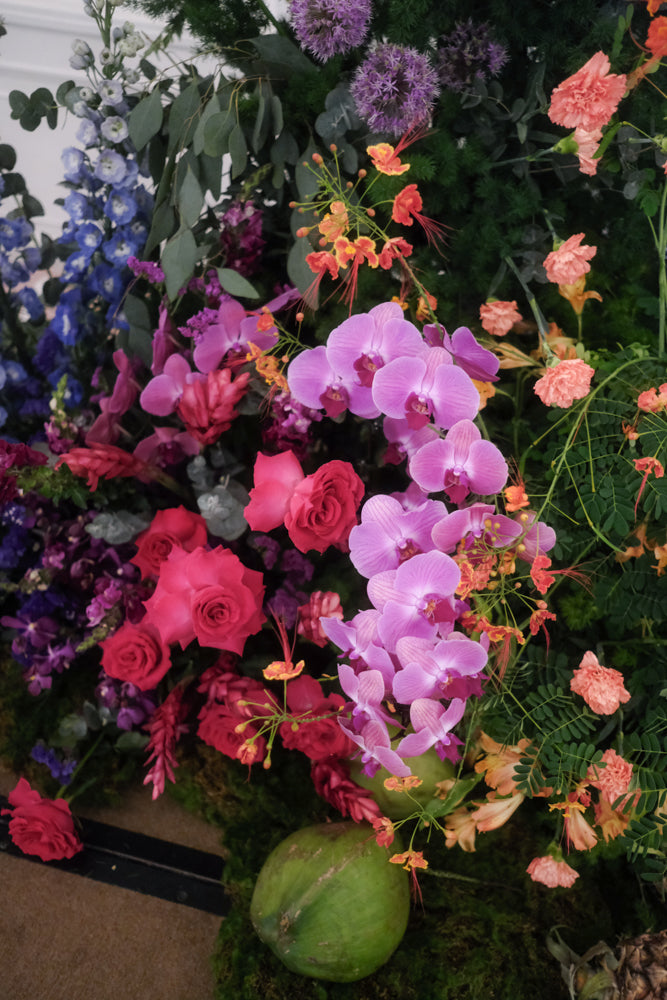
(104, 461)
(166, 728)
(589, 97)
(332, 782)
(321, 605)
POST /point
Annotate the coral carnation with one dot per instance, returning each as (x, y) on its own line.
(565, 382)
(601, 687)
(552, 873)
(569, 262)
(498, 317)
(589, 97)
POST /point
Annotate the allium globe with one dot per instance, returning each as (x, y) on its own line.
(394, 88)
(330, 27)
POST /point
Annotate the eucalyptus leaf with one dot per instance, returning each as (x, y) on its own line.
(210, 109)
(145, 119)
(190, 199)
(261, 129)
(184, 117)
(7, 157)
(216, 132)
(18, 102)
(276, 114)
(235, 284)
(298, 271)
(238, 150)
(178, 260)
(164, 224)
(281, 57)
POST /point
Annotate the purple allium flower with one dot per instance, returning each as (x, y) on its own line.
(394, 89)
(328, 27)
(468, 54)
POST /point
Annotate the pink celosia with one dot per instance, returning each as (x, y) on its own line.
(498, 317)
(565, 382)
(552, 873)
(601, 687)
(612, 780)
(321, 605)
(589, 97)
(569, 262)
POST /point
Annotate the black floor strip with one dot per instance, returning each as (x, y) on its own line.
(144, 864)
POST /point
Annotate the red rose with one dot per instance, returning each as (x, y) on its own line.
(315, 736)
(218, 728)
(136, 653)
(323, 508)
(41, 826)
(175, 526)
(210, 596)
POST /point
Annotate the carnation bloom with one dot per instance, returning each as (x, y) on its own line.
(565, 382)
(587, 145)
(614, 779)
(498, 317)
(566, 264)
(394, 88)
(601, 687)
(589, 97)
(552, 873)
(328, 27)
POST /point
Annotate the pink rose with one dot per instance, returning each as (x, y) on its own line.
(210, 596)
(323, 508)
(276, 477)
(136, 654)
(41, 826)
(175, 526)
(601, 687)
(218, 729)
(568, 263)
(565, 382)
(498, 317)
(318, 734)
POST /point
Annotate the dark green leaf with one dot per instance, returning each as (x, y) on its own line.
(280, 57)
(210, 109)
(184, 117)
(211, 174)
(190, 199)
(63, 90)
(31, 207)
(238, 150)
(298, 271)
(18, 102)
(7, 157)
(164, 223)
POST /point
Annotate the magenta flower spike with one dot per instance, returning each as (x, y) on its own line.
(429, 669)
(424, 388)
(460, 464)
(388, 535)
(433, 724)
(415, 598)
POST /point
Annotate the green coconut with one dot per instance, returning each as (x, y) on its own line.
(398, 805)
(329, 903)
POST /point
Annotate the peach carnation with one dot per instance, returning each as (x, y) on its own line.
(587, 146)
(552, 873)
(612, 780)
(565, 382)
(498, 317)
(601, 687)
(569, 262)
(589, 97)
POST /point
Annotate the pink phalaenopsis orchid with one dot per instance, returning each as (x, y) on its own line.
(433, 723)
(388, 534)
(460, 464)
(448, 668)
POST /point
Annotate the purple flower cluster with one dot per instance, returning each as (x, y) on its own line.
(60, 769)
(468, 54)
(241, 237)
(330, 27)
(407, 650)
(394, 89)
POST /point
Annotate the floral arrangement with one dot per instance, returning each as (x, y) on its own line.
(256, 495)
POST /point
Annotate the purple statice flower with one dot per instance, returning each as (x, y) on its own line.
(461, 463)
(433, 723)
(297, 566)
(147, 269)
(388, 535)
(329, 27)
(61, 770)
(419, 388)
(241, 236)
(394, 89)
(289, 428)
(468, 54)
(431, 670)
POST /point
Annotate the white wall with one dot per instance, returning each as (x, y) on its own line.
(35, 53)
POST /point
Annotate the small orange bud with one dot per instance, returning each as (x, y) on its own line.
(371, 212)
(302, 231)
(300, 317)
(317, 158)
(362, 173)
(333, 147)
